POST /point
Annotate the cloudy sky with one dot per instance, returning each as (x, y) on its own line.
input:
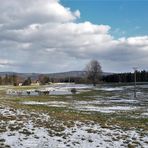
(63, 35)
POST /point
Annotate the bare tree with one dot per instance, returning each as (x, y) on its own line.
(93, 71)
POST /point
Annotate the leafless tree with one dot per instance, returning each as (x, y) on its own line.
(93, 71)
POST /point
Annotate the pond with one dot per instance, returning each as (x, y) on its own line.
(54, 89)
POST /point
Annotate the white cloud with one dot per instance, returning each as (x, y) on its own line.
(138, 41)
(44, 36)
(77, 13)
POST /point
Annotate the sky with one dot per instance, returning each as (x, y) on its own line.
(49, 36)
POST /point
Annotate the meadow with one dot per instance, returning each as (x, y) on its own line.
(107, 115)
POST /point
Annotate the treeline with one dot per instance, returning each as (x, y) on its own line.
(14, 80)
(141, 76)
(42, 80)
(8, 80)
(45, 80)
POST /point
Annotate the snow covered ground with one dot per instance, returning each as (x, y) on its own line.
(22, 128)
(23, 132)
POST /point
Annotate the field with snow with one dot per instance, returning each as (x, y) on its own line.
(104, 116)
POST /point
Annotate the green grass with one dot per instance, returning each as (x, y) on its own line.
(26, 87)
(105, 120)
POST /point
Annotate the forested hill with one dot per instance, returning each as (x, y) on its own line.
(141, 76)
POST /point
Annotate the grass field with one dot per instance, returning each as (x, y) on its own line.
(104, 116)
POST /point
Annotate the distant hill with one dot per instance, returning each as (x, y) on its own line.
(34, 76)
(68, 74)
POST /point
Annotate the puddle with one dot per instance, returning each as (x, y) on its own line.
(62, 92)
(55, 89)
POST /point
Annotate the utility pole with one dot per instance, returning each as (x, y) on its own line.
(135, 69)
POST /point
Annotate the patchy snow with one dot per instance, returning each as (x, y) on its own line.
(144, 114)
(105, 109)
(34, 103)
(50, 103)
(123, 100)
(81, 135)
(22, 129)
(110, 88)
(83, 105)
